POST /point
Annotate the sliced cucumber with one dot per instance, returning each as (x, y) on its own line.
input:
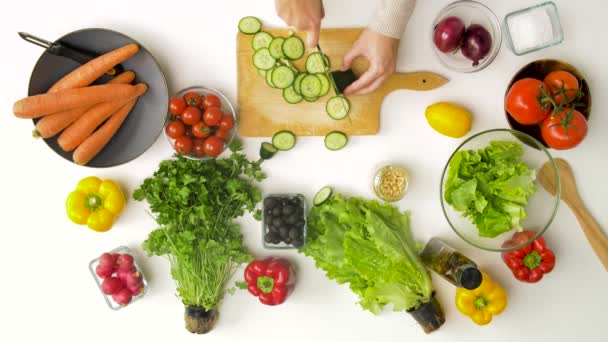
(310, 86)
(267, 150)
(262, 73)
(335, 140)
(297, 82)
(269, 78)
(276, 47)
(315, 63)
(284, 140)
(261, 40)
(250, 25)
(263, 60)
(310, 99)
(324, 84)
(290, 95)
(322, 195)
(293, 47)
(282, 77)
(337, 107)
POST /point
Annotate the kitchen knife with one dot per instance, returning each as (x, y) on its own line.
(65, 50)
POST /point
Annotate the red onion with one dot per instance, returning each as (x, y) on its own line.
(476, 43)
(448, 34)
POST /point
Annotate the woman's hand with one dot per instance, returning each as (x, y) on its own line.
(303, 15)
(381, 51)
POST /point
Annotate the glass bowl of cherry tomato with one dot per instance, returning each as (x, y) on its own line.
(201, 123)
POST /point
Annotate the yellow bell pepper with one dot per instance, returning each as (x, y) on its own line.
(482, 303)
(95, 203)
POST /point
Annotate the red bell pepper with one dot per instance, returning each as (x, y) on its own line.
(270, 280)
(529, 263)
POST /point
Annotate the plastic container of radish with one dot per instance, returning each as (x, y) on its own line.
(118, 277)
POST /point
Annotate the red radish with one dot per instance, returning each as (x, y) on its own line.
(125, 261)
(111, 285)
(123, 274)
(103, 271)
(136, 290)
(134, 279)
(106, 260)
(122, 297)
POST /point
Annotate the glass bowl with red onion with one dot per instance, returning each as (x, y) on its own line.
(466, 36)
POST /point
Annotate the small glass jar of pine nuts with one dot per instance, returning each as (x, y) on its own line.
(390, 183)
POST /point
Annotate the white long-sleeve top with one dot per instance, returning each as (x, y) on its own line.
(392, 17)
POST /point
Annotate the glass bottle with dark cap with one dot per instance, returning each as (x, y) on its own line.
(450, 264)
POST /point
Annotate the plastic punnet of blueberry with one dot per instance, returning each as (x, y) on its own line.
(284, 221)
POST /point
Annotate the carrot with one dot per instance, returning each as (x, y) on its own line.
(52, 124)
(92, 145)
(84, 126)
(89, 72)
(39, 105)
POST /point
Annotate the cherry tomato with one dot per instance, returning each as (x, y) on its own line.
(211, 101)
(563, 86)
(175, 129)
(193, 99)
(198, 147)
(199, 130)
(212, 116)
(191, 116)
(213, 146)
(226, 123)
(525, 103)
(223, 134)
(564, 130)
(177, 105)
(183, 145)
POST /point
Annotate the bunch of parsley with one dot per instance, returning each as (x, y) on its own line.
(195, 204)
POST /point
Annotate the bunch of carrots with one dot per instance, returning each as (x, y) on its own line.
(86, 116)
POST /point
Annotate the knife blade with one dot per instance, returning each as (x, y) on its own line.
(62, 49)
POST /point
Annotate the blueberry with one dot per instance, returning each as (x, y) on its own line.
(276, 211)
(288, 240)
(294, 233)
(284, 232)
(300, 223)
(288, 209)
(298, 243)
(268, 238)
(291, 219)
(277, 221)
(270, 202)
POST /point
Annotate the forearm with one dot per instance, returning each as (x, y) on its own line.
(392, 17)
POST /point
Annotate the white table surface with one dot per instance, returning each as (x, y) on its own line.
(46, 291)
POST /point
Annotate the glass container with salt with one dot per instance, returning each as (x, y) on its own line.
(533, 28)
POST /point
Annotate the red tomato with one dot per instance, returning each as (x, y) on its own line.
(191, 116)
(524, 101)
(183, 145)
(564, 130)
(193, 99)
(175, 129)
(199, 130)
(563, 86)
(212, 116)
(226, 123)
(198, 147)
(223, 134)
(213, 146)
(177, 105)
(211, 101)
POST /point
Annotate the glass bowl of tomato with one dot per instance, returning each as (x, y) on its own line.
(560, 121)
(201, 123)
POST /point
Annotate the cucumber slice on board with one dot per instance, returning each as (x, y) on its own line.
(335, 140)
(337, 107)
(276, 47)
(267, 150)
(315, 63)
(284, 140)
(269, 78)
(250, 25)
(310, 99)
(310, 86)
(293, 47)
(322, 195)
(324, 84)
(261, 40)
(262, 73)
(263, 60)
(297, 82)
(282, 77)
(290, 95)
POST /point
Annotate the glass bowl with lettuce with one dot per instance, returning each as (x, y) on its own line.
(489, 189)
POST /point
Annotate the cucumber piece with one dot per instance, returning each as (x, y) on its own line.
(338, 107)
(297, 82)
(322, 195)
(293, 47)
(324, 84)
(284, 140)
(310, 99)
(310, 86)
(250, 25)
(335, 140)
(263, 60)
(262, 73)
(276, 47)
(343, 79)
(267, 150)
(261, 40)
(315, 63)
(290, 95)
(282, 77)
(269, 78)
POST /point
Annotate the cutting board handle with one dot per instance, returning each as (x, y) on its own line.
(421, 80)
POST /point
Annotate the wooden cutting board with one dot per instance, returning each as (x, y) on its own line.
(263, 111)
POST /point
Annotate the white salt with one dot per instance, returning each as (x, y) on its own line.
(531, 29)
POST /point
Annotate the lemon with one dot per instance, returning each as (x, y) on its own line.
(449, 119)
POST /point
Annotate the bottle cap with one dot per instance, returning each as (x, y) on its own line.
(470, 278)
